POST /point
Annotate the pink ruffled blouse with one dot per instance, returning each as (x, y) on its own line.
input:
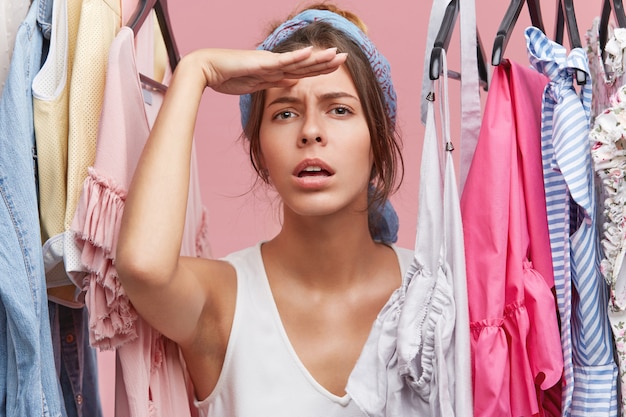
(150, 377)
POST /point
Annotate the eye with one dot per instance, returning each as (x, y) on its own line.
(341, 110)
(283, 115)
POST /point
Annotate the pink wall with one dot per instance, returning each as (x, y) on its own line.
(398, 27)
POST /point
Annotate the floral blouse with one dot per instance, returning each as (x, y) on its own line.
(607, 72)
(608, 141)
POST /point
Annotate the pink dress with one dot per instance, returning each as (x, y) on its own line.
(515, 339)
(150, 377)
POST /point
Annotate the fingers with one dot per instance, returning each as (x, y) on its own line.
(307, 62)
(317, 68)
(305, 57)
(242, 72)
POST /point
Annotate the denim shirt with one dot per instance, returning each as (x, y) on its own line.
(76, 361)
(28, 382)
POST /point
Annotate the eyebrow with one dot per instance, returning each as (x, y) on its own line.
(323, 97)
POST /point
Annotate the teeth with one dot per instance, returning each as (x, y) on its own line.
(312, 169)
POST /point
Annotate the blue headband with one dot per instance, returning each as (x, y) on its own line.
(378, 62)
(387, 222)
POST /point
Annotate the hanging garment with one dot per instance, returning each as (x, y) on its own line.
(76, 361)
(590, 373)
(28, 383)
(416, 359)
(150, 377)
(455, 257)
(99, 23)
(470, 91)
(609, 161)
(12, 13)
(51, 88)
(607, 74)
(516, 348)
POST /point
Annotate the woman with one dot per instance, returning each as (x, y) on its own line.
(276, 329)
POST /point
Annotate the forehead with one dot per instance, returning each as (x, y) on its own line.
(338, 81)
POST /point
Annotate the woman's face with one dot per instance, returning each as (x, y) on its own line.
(315, 145)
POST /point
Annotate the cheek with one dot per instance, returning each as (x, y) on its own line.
(270, 139)
(273, 156)
(370, 160)
(264, 148)
(362, 160)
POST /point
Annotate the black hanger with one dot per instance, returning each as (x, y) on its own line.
(141, 13)
(566, 16)
(620, 16)
(442, 41)
(508, 22)
(482, 66)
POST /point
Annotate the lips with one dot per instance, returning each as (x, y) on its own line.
(313, 171)
(312, 168)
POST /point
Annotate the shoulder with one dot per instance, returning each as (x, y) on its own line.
(243, 254)
(235, 267)
(248, 258)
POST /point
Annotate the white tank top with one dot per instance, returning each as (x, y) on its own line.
(262, 374)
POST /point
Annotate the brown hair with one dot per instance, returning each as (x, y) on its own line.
(388, 166)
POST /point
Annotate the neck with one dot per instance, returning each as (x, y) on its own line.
(323, 251)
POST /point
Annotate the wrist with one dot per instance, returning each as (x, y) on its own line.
(190, 72)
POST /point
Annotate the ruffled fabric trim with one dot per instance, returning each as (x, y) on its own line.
(615, 47)
(511, 371)
(433, 327)
(96, 226)
(608, 152)
(102, 209)
(404, 364)
(522, 350)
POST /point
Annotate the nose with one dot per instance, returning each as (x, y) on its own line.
(312, 131)
(317, 139)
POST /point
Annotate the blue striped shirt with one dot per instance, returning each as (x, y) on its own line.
(590, 374)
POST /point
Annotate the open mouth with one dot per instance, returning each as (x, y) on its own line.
(313, 171)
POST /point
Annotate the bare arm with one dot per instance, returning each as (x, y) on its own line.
(170, 292)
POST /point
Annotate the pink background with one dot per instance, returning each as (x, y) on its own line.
(240, 217)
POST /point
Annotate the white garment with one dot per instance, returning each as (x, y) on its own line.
(470, 80)
(262, 374)
(12, 13)
(417, 359)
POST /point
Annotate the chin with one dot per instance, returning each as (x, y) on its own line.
(327, 209)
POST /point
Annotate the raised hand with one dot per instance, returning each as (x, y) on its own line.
(245, 71)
